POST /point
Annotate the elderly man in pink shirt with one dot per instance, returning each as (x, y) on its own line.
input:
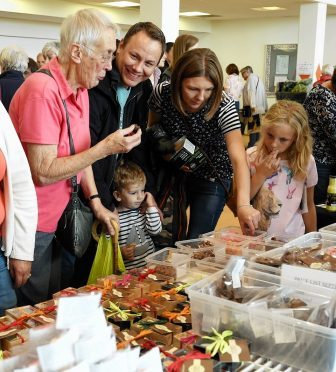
(87, 44)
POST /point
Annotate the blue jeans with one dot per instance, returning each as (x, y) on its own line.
(206, 200)
(68, 261)
(37, 287)
(320, 191)
(7, 293)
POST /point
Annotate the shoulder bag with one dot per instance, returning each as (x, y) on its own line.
(74, 227)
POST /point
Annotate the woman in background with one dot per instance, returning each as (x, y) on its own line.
(232, 84)
(320, 105)
(13, 63)
(182, 44)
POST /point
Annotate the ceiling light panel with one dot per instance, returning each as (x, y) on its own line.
(193, 14)
(122, 4)
(268, 8)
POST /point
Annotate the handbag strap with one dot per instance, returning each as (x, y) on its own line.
(73, 179)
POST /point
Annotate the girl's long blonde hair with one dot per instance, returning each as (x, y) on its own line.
(293, 114)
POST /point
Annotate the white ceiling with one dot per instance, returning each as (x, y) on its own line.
(237, 9)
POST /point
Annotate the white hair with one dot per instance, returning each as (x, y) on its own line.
(327, 69)
(50, 46)
(13, 58)
(85, 27)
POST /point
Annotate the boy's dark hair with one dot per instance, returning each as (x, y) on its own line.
(128, 173)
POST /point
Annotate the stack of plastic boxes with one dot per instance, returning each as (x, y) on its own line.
(321, 242)
(272, 333)
(178, 265)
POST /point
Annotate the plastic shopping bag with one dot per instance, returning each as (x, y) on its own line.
(108, 259)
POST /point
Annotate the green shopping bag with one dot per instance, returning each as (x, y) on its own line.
(108, 259)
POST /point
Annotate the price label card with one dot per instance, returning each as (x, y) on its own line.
(236, 272)
(260, 324)
(312, 280)
(283, 333)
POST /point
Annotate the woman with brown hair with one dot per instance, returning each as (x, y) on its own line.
(232, 84)
(182, 44)
(194, 105)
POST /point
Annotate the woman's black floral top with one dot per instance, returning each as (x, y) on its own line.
(208, 134)
(321, 109)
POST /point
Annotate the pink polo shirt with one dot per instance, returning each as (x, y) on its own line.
(39, 117)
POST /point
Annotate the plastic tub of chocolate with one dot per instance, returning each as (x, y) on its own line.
(329, 229)
(167, 260)
(199, 248)
(272, 334)
(258, 234)
(221, 259)
(315, 250)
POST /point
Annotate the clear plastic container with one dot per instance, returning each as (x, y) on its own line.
(323, 242)
(330, 229)
(263, 246)
(195, 270)
(271, 334)
(228, 229)
(234, 244)
(196, 244)
(167, 260)
(281, 238)
(221, 260)
(258, 234)
(199, 248)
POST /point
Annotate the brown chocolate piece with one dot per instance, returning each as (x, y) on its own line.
(268, 261)
(165, 270)
(201, 244)
(203, 254)
(296, 302)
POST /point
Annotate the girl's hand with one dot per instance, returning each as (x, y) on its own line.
(267, 165)
(248, 218)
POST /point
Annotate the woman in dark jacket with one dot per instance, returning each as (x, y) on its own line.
(321, 109)
(13, 63)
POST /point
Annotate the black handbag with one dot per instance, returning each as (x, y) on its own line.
(74, 227)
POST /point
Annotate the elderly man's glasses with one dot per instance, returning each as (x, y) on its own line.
(106, 58)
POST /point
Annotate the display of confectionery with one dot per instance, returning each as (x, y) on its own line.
(188, 310)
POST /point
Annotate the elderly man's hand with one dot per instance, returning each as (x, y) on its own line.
(19, 271)
(123, 140)
(105, 216)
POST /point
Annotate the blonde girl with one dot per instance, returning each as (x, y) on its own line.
(283, 171)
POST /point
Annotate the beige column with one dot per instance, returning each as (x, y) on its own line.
(311, 38)
(164, 13)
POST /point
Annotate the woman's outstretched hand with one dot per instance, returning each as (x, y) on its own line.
(248, 218)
